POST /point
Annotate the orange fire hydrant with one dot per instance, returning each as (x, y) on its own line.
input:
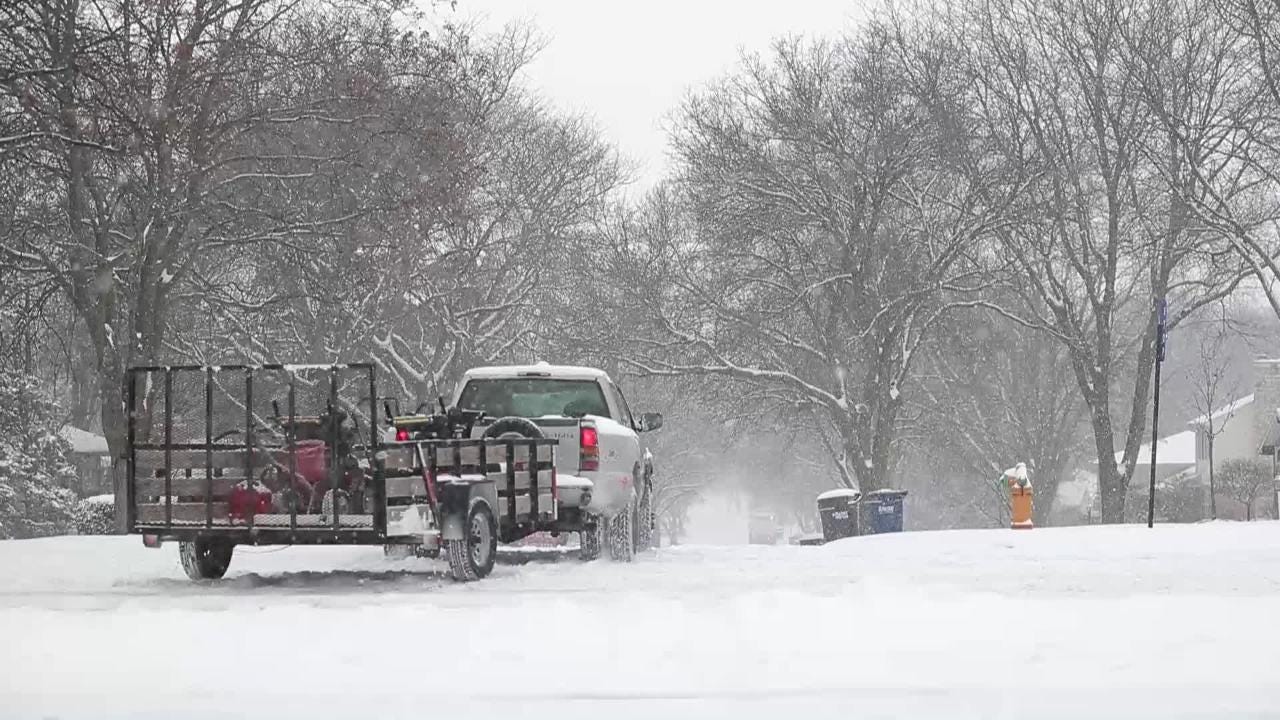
(1019, 496)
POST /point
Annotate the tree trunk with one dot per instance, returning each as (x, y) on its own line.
(1045, 485)
(1112, 485)
(85, 398)
(864, 469)
(115, 429)
(1213, 502)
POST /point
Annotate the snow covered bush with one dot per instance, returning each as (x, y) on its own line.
(34, 469)
(96, 515)
(1245, 481)
(1178, 499)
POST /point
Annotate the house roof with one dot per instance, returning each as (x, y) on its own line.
(83, 441)
(1226, 410)
(1179, 449)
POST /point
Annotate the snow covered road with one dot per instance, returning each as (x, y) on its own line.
(1105, 622)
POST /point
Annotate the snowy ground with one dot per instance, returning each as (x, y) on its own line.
(1100, 622)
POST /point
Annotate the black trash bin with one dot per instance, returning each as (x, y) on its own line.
(838, 510)
(882, 511)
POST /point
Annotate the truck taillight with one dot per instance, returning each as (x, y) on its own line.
(589, 458)
(402, 435)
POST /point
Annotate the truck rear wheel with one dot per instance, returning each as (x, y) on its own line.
(622, 540)
(472, 557)
(590, 540)
(206, 558)
(644, 522)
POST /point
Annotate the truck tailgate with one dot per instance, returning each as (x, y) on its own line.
(564, 429)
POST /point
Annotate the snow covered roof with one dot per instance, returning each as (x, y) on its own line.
(83, 441)
(1177, 449)
(566, 372)
(1226, 410)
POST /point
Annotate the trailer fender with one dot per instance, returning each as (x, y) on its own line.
(456, 501)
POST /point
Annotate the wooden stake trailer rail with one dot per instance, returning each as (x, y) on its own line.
(213, 462)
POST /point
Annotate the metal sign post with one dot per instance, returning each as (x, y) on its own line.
(1162, 320)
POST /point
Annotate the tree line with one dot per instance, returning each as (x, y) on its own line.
(927, 246)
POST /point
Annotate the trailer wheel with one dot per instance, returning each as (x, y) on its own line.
(206, 558)
(622, 540)
(590, 540)
(472, 557)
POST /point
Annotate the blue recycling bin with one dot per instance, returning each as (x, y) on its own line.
(882, 511)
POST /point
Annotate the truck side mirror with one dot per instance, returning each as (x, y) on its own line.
(650, 421)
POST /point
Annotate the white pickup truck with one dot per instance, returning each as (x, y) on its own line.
(603, 467)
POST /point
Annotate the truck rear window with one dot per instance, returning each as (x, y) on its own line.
(534, 397)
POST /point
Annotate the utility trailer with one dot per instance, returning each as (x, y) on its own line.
(297, 455)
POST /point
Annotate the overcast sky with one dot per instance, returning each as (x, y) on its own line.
(629, 63)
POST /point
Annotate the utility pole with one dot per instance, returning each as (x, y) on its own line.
(1162, 318)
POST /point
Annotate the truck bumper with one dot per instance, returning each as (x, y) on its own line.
(574, 491)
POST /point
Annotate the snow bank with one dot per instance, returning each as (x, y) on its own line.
(1115, 621)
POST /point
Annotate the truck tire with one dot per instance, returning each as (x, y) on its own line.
(622, 539)
(472, 557)
(644, 521)
(206, 558)
(590, 540)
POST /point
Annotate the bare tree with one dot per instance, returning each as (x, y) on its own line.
(490, 284)
(1215, 392)
(819, 231)
(1211, 81)
(993, 394)
(142, 165)
(1097, 242)
(395, 176)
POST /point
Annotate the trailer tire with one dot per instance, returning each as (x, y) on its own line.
(622, 539)
(590, 539)
(472, 557)
(206, 558)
